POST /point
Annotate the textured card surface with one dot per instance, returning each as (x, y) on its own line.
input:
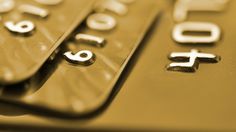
(65, 89)
(156, 97)
(32, 30)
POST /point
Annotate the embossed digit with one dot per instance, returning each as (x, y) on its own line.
(213, 30)
(113, 6)
(182, 7)
(90, 39)
(34, 10)
(6, 5)
(83, 57)
(100, 21)
(22, 27)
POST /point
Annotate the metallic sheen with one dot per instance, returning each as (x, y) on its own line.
(213, 30)
(83, 57)
(189, 61)
(101, 21)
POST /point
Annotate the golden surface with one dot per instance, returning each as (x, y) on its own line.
(22, 56)
(153, 98)
(70, 90)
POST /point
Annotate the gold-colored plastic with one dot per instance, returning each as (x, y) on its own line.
(67, 89)
(154, 99)
(21, 55)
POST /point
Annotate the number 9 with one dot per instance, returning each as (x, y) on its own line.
(22, 27)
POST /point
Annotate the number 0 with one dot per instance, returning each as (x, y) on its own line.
(196, 27)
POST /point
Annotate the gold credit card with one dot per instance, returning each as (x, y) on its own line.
(30, 32)
(156, 98)
(65, 87)
(180, 79)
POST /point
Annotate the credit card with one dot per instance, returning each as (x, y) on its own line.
(32, 30)
(161, 96)
(66, 87)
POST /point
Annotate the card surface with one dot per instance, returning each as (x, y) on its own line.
(155, 98)
(63, 88)
(31, 32)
